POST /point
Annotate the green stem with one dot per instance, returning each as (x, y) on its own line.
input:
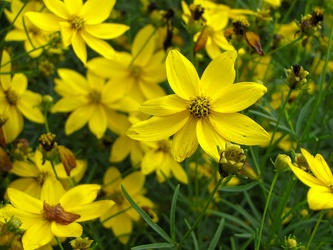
(47, 128)
(54, 170)
(59, 243)
(203, 212)
(322, 212)
(284, 46)
(266, 209)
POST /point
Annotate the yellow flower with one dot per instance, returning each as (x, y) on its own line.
(25, 30)
(80, 24)
(202, 110)
(34, 173)
(57, 213)
(16, 100)
(137, 73)
(90, 100)
(320, 195)
(121, 216)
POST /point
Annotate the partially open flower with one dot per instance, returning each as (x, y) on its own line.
(81, 243)
(67, 158)
(48, 146)
(232, 160)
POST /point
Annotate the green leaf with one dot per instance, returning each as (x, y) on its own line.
(173, 212)
(146, 217)
(154, 246)
(303, 117)
(238, 188)
(217, 235)
(195, 241)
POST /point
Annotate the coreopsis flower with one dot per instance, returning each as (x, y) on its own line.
(56, 213)
(320, 194)
(202, 111)
(24, 30)
(121, 216)
(90, 100)
(16, 101)
(138, 73)
(35, 170)
(159, 159)
(80, 24)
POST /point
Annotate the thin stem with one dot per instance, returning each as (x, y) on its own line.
(54, 170)
(203, 212)
(266, 209)
(284, 46)
(59, 243)
(47, 128)
(322, 212)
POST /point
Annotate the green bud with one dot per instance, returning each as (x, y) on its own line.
(282, 163)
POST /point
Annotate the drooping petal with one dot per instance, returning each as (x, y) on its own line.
(93, 210)
(133, 183)
(79, 46)
(69, 103)
(102, 7)
(98, 45)
(182, 75)
(24, 202)
(320, 198)
(79, 195)
(28, 104)
(219, 74)
(71, 230)
(320, 170)
(78, 118)
(185, 141)
(37, 236)
(106, 30)
(52, 191)
(142, 48)
(98, 121)
(238, 128)
(45, 21)
(5, 67)
(158, 128)
(166, 105)
(305, 177)
(209, 139)
(60, 8)
(237, 97)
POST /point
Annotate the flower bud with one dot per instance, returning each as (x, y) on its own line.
(14, 224)
(282, 163)
(67, 158)
(81, 244)
(231, 160)
(48, 146)
(296, 76)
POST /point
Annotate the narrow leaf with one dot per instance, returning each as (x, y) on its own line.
(173, 212)
(154, 246)
(217, 235)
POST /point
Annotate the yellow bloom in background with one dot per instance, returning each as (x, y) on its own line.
(91, 100)
(139, 72)
(121, 216)
(25, 30)
(320, 195)
(159, 159)
(16, 101)
(80, 24)
(57, 213)
(202, 110)
(34, 173)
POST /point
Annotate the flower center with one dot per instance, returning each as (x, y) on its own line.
(41, 178)
(199, 106)
(136, 71)
(163, 146)
(11, 97)
(117, 197)
(94, 97)
(58, 214)
(76, 22)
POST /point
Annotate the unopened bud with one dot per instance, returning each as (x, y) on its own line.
(282, 163)
(67, 158)
(231, 160)
(296, 76)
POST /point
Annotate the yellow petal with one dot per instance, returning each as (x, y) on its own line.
(112, 180)
(98, 45)
(6, 66)
(52, 191)
(151, 91)
(158, 128)
(166, 105)
(72, 82)
(151, 162)
(239, 128)
(305, 177)
(14, 125)
(73, 6)
(19, 84)
(185, 141)
(98, 121)
(69, 103)
(154, 71)
(182, 76)
(45, 21)
(70, 230)
(25, 169)
(93, 210)
(67, 33)
(320, 197)
(237, 97)
(219, 74)
(120, 148)
(102, 7)
(79, 195)
(28, 219)
(106, 30)
(318, 167)
(142, 48)
(209, 139)
(177, 170)
(133, 183)
(27, 185)
(136, 152)
(122, 227)
(38, 235)
(78, 118)
(59, 8)
(25, 202)
(113, 91)
(212, 49)
(79, 46)
(28, 104)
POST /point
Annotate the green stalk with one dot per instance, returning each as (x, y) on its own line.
(322, 212)
(59, 243)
